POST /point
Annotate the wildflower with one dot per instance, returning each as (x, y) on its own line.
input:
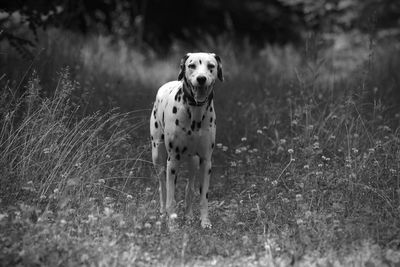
(282, 141)
(285, 200)
(152, 217)
(102, 181)
(259, 131)
(56, 190)
(299, 197)
(320, 165)
(274, 182)
(243, 139)
(3, 216)
(147, 225)
(318, 173)
(294, 122)
(108, 156)
(292, 159)
(316, 145)
(233, 164)
(306, 167)
(153, 202)
(393, 256)
(265, 128)
(355, 150)
(376, 163)
(299, 221)
(63, 222)
(224, 148)
(356, 135)
(92, 218)
(332, 136)
(238, 151)
(173, 216)
(131, 173)
(129, 197)
(392, 171)
(255, 150)
(78, 165)
(290, 151)
(158, 224)
(348, 165)
(46, 150)
(219, 145)
(308, 214)
(107, 211)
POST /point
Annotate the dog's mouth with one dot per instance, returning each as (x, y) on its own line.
(200, 93)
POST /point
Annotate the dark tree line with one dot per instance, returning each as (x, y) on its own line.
(157, 22)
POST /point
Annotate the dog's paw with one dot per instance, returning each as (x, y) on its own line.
(206, 224)
(173, 222)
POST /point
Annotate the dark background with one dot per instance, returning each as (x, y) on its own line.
(156, 23)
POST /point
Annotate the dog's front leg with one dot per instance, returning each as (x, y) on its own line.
(205, 173)
(172, 175)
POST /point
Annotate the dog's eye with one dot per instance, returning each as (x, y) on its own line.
(211, 66)
(192, 66)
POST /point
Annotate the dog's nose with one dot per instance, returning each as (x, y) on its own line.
(201, 80)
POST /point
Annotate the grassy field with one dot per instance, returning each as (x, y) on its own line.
(306, 168)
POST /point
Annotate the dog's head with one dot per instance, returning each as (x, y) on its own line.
(200, 71)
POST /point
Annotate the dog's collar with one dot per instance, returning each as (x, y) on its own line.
(188, 96)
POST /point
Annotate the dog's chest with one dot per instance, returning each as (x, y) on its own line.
(189, 130)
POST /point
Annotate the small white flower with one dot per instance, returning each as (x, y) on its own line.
(306, 166)
(299, 221)
(102, 181)
(259, 131)
(147, 225)
(224, 148)
(129, 197)
(219, 145)
(243, 139)
(173, 216)
(290, 151)
(299, 197)
(282, 141)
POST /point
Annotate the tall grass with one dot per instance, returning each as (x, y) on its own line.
(49, 149)
(306, 165)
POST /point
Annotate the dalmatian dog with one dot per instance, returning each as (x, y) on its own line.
(182, 128)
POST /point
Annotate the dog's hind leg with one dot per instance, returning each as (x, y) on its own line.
(193, 173)
(205, 174)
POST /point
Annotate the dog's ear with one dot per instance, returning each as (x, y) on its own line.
(182, 67)
(219, 68)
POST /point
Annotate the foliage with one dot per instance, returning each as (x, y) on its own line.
(305, 169)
